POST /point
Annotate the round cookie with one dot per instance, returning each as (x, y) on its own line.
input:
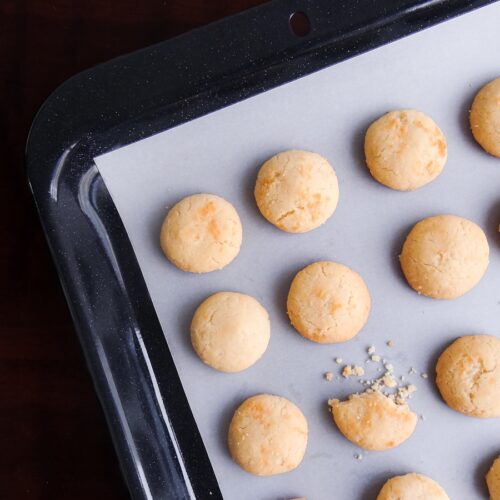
(201, 233)
(412, 487)
(405, 149)
(468, 375)
(230, 331)
(328, 302)
(444, 256)
(297, 191)
(267, 435)
(485, 117)
(373, 421)
(493, 480)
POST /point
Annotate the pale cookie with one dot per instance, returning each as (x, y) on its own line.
(328, 302)
(373, 421)
(493, 480)
(412, 487)
(485, 117)
(267, 435)
(230, 331)
(297, 191)
(405, 149)
(468, 375)
(201, 233)
(444, 256)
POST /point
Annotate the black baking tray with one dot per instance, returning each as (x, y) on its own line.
(132, 97)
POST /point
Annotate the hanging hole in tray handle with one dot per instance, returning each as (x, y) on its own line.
(299, 23)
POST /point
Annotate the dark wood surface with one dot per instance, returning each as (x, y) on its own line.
(54, 442)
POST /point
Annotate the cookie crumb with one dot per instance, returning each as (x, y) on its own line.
(424, 375)
(351, 370)
(358, 456)
(338, 361)
(388, 380)
(359, 371)
(390, 343)
(329, 376)
(387, 383)
(405, 393)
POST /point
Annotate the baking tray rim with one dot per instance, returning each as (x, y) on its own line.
(65, 183)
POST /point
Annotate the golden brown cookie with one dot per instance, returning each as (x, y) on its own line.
(267, 435)
(493, 480)
(405, 149)
(444, 256)
(296, 191)
(485, 117)
(373, 421)
(412, 487)
(201, 233)
(468, 375)
(230, 331)
(328, 302)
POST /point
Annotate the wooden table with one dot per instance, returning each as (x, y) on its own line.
(54, 442)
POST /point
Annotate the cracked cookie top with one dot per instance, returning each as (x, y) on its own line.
(405, 149)
(297, 191)
(328, 302)
(468, 375)
(230, 331)
(412, 487)
(485, 117)
(268, 435)
(201, 233)
(444, 256)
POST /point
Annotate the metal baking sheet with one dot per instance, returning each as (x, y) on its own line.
(436, 71)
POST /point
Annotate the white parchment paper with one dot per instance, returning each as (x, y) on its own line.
(436, 71)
